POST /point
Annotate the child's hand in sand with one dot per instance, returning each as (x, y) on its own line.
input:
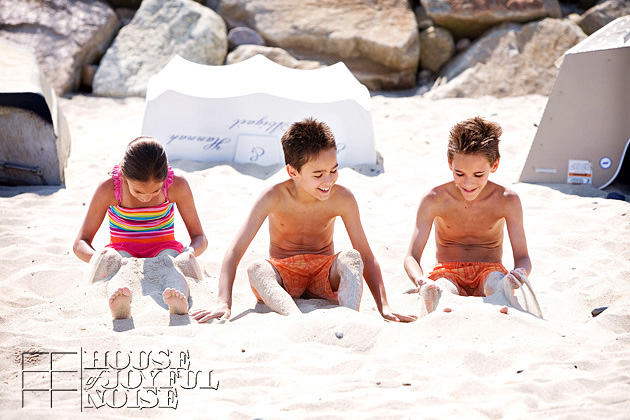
(417, 286)
(389, 315)
(221, 312)
(516, 277)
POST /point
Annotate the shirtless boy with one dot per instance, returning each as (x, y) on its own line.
(302, 212)
(469, 215)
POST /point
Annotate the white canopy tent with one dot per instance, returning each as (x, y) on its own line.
(584, 133)
(239, 112)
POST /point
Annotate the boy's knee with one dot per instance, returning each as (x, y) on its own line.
(256, 268)
(350, 258)
(491, 284)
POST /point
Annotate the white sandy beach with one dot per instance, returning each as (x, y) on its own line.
(331, 362)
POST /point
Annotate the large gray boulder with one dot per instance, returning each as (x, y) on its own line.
(65, 35)
(471, 18)
(511, 60)
(160, 30)
(377, 40)
(602, 14)
(35, 140)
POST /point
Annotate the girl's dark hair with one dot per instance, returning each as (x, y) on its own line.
(145, 160)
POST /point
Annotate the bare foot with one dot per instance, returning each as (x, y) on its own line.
(504, 310)
(176, 301)
(120, 303)
(430, 293)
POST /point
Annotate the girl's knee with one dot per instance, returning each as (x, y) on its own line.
(169, 252)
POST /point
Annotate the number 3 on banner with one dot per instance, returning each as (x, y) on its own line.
(261, 150)
(257, 152)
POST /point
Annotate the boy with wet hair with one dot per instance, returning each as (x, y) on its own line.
(469, 215)
(302, 212)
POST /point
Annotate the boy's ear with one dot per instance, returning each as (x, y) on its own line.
(495, 166)
(293, 173)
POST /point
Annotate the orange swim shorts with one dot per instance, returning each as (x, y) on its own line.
(305, 275)
(469, 277)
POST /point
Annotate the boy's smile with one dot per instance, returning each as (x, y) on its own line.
(318, 175)
(471, 172)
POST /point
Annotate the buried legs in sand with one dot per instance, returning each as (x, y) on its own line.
(346, 274)
(172, 267)
(176, 292)
(267, 281)
(176, 268)
(104, 266)
(496, 281)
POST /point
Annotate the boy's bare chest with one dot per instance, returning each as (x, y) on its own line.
(298, 218)
(470, 221)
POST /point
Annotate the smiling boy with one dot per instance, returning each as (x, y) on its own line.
(302, 212)
(469, 215)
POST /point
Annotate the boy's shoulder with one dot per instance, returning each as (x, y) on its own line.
(284, 196)
(277, 194)
(342, 192)
(502, 192)
(441, 192)
(279, 189)
(286, 190)
(444, 196)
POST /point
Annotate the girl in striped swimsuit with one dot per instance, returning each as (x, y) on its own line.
(139, 200)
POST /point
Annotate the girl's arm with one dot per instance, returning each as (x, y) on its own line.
(181, 194)
(102, 199)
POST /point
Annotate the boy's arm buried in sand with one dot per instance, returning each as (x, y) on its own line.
(419, 238)
(233, 255)
(371, 271)
(103, 198)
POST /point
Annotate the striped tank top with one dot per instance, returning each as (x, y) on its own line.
(131, 227)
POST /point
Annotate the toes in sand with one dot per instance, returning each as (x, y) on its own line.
(120, 303)
(176, 301)
(430, 294)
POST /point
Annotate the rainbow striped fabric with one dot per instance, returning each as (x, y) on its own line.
(142, 225)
